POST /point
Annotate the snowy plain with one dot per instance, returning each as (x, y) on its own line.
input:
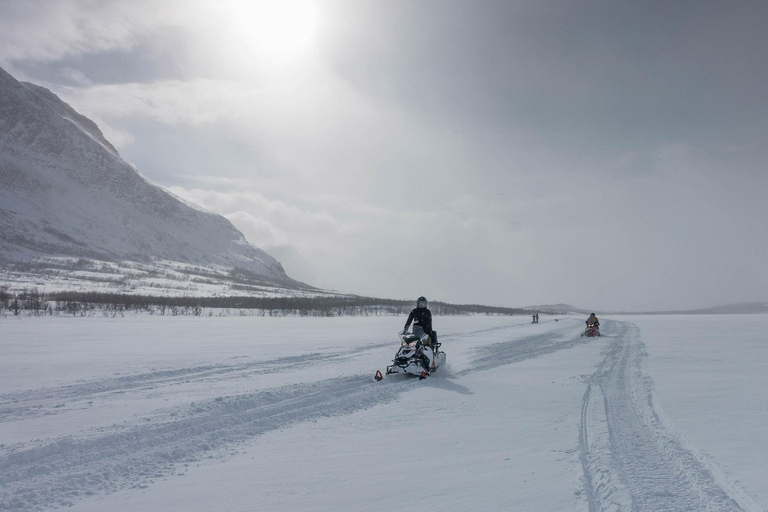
(281, 414)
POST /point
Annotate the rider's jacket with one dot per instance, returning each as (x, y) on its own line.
(421, 317)
(592, 320)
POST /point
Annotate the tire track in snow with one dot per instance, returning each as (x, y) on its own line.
(631, 460)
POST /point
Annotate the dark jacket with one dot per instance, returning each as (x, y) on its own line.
(421, 317)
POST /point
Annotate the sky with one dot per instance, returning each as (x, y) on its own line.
(607, 154)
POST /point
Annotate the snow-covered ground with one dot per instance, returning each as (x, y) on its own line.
(158, 278)
(281, 414)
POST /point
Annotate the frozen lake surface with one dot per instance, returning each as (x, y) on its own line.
(661, 413)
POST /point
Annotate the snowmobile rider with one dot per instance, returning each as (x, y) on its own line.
(592, 320)
(421, 317)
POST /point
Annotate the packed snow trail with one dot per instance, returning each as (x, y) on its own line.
(631, 460)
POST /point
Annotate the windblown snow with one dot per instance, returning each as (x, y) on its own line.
(258, 413)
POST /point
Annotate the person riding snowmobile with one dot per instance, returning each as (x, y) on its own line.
(592, 320)
(421, 317)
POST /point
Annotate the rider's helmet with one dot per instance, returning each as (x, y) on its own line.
(421, 302)
(591, 314)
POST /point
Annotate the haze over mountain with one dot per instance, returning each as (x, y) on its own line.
(742, 308)
(66, 192)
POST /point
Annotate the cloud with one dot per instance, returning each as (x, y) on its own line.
(257, 228)
(270, 222)
(50, 31)
(505, 153)
(169, 102)
(421, 247)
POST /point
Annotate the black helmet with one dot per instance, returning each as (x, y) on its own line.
(591, 314)
(421, 302)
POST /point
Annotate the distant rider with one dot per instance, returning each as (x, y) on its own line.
(421, 317)
(593, 321)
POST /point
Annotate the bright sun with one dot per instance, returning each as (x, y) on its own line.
(276, 29)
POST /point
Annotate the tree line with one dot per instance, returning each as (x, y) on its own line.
(34, 302)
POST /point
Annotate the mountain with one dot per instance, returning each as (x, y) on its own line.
(558, 308)
(742, 308)
(67, 197)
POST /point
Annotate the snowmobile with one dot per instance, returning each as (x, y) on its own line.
(591, 331)
(415, 356)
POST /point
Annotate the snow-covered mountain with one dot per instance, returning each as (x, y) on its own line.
(558, 308)
(67, 195)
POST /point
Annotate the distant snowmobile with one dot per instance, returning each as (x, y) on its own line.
(591, 331)
(415, 356)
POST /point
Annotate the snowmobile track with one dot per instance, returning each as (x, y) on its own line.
(44, 401)
(631, 460)
(60, 472)
(509, 352)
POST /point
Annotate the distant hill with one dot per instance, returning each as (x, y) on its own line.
(558, 308)
(742, 308)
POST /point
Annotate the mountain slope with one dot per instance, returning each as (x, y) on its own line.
(559, 308)
(65, 191)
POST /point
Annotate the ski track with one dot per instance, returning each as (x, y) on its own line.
(60, 472)
(631, 460)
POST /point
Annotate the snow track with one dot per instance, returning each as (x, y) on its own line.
(58, 473)
(47, 401)
(631, 459)
(500, 354)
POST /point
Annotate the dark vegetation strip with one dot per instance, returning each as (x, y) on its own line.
(79, 303)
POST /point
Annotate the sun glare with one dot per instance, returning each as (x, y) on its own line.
(276, 29)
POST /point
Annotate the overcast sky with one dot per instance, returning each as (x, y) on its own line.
(608, 154)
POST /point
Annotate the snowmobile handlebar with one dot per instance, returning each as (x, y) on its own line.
(406, 337)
